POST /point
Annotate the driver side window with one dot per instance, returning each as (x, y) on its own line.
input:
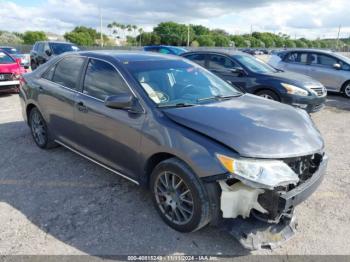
(220, 63)
(102, 80)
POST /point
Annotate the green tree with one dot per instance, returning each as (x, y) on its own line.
(30, 37)
(172, 33)
(148, 38)
(205, 40)
(200, 30)
(10, 38)
(238, 40)
(83, 36)
(221, 40)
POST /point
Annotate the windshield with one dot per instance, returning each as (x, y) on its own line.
(255, 65)
(6, 59)
(59, 48)
(10, 50)
(179, 83)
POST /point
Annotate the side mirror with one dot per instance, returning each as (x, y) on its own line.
(18, 61)
(337, 66)
(123, 101)
(48, 52)
(237, 71)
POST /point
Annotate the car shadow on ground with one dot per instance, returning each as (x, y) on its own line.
(337, 101)
(89, 208)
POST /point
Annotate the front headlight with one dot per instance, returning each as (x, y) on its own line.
(259, 173)
(294, 90)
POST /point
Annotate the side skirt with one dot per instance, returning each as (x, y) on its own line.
(98, 163)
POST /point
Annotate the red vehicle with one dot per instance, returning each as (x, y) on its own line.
(10, 73)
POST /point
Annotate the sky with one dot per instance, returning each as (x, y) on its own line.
(298, 18)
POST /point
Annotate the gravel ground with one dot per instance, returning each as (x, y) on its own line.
(55, 202)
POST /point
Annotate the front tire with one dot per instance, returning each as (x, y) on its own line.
(40, 131)
(346, 89)
(268, 94)
(179, 197)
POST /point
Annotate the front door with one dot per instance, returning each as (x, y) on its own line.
(223, 67)
(110, 136)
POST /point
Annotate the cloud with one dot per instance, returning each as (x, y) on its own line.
(309, 18)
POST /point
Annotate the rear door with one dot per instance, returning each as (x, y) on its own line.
(57, 90)
(110, 136)
(296, 62)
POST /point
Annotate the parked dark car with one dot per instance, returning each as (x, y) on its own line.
(205, 150)
(254, 76)
(165, 49)
(44, 50)
(16, 54)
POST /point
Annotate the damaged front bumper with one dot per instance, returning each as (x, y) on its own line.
(260, 218)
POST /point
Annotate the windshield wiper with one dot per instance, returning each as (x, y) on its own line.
(176, 105)
(219, 98)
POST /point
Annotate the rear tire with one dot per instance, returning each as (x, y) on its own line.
(40, 131)
(268, 94)
(179, 196)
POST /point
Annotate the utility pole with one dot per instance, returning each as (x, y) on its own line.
(101, 35)
(251, 30)
(188, 35)
(338, 36)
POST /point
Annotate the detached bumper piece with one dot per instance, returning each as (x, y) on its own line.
(254, 234)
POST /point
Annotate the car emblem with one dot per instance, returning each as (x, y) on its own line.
(2, 77)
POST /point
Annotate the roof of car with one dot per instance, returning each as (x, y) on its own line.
(224, 52)
(326, 51)
(129, 56)
(56, 42)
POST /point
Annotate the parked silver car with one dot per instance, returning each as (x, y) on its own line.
(330, 68)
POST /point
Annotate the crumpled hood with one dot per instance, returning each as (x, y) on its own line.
(294, 78)
(253, 126)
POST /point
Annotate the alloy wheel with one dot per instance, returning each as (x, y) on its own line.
(38, 128)
(347, 90)
(267, 96)
(174, 198)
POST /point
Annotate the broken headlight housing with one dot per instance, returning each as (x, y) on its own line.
(259, 173)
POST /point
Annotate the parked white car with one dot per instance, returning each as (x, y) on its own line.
(330, 68)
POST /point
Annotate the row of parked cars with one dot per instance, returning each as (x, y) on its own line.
(205, 131)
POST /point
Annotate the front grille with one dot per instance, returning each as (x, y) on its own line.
(320, 91)
(304, 166)
(6, 77)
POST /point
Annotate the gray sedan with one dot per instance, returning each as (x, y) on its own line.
(331, 69)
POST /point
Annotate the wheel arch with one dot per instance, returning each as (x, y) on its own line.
(344, 85)
(29, 108)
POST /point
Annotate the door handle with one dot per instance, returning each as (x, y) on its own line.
(81, 107)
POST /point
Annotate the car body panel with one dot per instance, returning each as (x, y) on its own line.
(242, 127)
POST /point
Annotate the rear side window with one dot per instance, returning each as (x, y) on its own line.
(102, 80)
(68, 71)
(49, 73)
(197, 58)
(221, 63)
(297, 57)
